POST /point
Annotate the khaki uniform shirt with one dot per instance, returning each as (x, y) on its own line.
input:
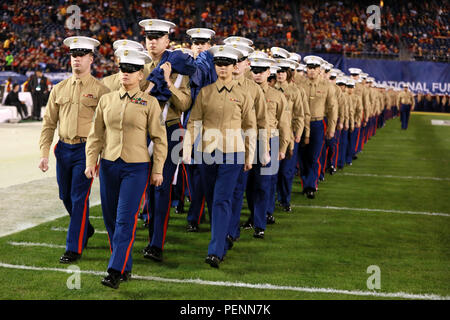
(342, 102)
(357, 110)
(71, 106)
(348, 110)
(277, 116)
(298, 79)
(364, 93)
(121, 124)
(389, 97)
(322, 102)
(223, 110)
(260, 106)
(405, 98)
(298, 106)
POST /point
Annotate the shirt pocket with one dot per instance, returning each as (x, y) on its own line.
(87, 107)
(63, 102)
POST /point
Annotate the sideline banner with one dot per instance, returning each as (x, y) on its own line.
(420, 76)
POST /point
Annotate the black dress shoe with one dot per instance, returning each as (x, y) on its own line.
(179, 209)
(354, 157)
(112, 280)
(259, 233)
(340, 167)
(270, 219)
(213, 261)
(154, 253)
(332, 170)
(310, 194)
(321, 178)
(126, 276)
(248, 224)
(287, 208)
(146, 249)
(69, 257)
(230, 242)
(192, 227)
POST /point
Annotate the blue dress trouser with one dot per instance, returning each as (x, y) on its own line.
(221, 177)
(122, 188)
(286, 176)
(405, 110)
(342, 148)
(197, 205)
(74, 190)
(313, 149)
(236, 208)
(160, 197)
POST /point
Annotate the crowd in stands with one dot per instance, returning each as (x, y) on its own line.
(421, 27)
(31, 32)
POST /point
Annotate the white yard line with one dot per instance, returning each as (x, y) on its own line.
(372, 210)
(65, 230)
(265, 286)
(394, 177)
(35, 244)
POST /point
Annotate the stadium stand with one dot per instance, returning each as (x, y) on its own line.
(31, 31)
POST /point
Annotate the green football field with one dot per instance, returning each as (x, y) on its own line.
(389, 212)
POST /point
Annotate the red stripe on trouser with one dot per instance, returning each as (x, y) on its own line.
(166, 220)
(187, 181)
(337, 152)
(321, 149)
(318, 161)
(135, 223)
(357, 139)
(182, 186)
(109, 242)
(83, 220)
(202, 208)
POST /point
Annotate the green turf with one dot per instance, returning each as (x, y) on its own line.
(309, 247)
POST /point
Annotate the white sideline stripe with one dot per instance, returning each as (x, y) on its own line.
(373, 210)
(401, 295)
(395, 177)
(65, 230)
(34, 244)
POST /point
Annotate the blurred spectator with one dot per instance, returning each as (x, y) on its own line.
(12, 99)
(38, 86)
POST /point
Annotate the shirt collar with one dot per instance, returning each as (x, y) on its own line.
(264, 86)
(83, 80)
(123, 93)
(316, 81)
(220, 85)
(281, 86)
